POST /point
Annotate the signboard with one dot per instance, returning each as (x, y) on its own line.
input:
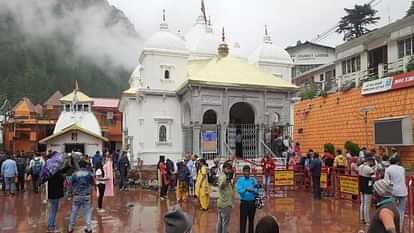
(349, 184)
(209, 141)
(324, 180)
(309, 56)
(403, 80)
(376, 86)
(284, 178)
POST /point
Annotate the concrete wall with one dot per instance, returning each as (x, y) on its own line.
(152, 71)
(281, 70)
(337, 118)
(143, 119)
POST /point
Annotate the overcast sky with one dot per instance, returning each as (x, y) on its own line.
(288, 20)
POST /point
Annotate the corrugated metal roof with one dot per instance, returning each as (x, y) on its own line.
(105, 102)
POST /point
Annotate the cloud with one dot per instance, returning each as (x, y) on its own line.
(288, 20)
(98, 31)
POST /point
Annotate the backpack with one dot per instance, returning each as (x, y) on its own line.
(37, 167)
(21, 164)
(170, 167)
(212, 175)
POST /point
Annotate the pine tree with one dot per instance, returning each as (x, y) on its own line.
(411, 9)
(355, 23)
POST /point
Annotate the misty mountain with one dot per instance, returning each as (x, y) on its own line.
(45, 45)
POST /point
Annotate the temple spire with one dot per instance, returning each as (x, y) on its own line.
(163, 25)
(267, 39)
(223, 37)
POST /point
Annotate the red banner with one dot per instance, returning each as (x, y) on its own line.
(403, 80)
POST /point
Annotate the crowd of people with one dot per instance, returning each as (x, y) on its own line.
(192, 178)
(75, 175)
(371, 168)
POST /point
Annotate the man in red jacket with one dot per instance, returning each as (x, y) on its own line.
(268, 170)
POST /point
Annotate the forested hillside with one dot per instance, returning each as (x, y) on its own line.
(48, 44)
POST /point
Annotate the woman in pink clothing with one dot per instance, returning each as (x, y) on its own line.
(109, 190)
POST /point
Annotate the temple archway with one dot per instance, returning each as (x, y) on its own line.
(242, 113)
(210, 117)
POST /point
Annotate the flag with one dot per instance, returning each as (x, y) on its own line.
(203, 10)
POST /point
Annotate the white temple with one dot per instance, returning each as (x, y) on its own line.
(190, 93)
(77, 128)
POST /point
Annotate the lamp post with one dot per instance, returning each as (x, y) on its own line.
(365, 111)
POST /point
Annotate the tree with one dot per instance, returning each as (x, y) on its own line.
(411, 10)
(355, 23)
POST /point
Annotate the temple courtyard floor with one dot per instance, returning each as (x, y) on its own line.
(141, 211)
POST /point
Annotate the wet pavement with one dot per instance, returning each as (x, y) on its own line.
(142, 211)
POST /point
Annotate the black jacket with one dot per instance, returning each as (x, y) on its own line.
(315, 167)
(55, 186)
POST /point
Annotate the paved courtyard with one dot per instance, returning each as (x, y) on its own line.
(141, 211)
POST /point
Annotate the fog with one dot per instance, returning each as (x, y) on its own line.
(96, 33)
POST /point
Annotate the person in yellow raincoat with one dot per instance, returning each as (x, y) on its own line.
(202, 186)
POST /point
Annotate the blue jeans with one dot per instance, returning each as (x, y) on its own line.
(53, 208)
(400, 201)
(10, 185)
(85, 203)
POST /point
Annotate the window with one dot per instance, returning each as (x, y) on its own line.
(86, 108)
(408, 46)
(321, 78)
(351, 65)
(167, 71)
(405, 47)
(344, 67)
(67, 107)
(162, 134)
(166, 74)
(74, 136)
(79, 107)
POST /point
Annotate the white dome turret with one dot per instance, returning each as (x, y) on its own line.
(165, 41)
(270, 53)
(201, 40)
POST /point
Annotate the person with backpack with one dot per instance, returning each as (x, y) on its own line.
(82, 183)
(97, 158)
(183, 178)
(21, 171)
(366, 172)
(9, 174)
(340, 162)
(123, 168)
(202, 186)
(170, 174)
(35, 167)
(213, 173)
